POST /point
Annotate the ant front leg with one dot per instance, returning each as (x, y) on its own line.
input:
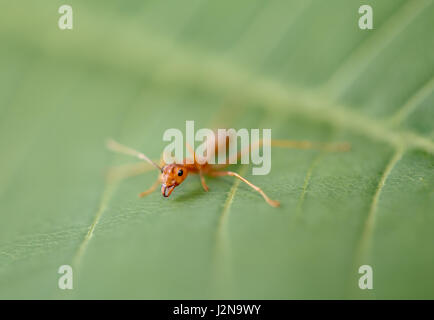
(271, 202)
(151, 189)
(156, 183)
(197, 165)
(202, 181)
(128, 170)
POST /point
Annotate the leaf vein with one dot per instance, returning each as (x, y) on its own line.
(363, 55)
(366, 238)
(412, 103)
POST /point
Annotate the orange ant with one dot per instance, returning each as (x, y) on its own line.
(172, 175)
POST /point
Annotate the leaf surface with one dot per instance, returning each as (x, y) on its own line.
(130, 70)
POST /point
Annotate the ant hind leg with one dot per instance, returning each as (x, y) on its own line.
(323, 146)
(271, 202)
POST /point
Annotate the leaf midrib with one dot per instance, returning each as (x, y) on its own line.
(222, 76)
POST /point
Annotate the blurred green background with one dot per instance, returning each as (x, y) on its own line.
(131, 69)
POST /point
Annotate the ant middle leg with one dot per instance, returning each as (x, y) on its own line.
(202, 181)
(197, 165)
(156, 183)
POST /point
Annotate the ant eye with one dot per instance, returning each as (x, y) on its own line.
(180, 172)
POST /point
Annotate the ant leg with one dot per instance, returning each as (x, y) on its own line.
(197, 163)
(331, 147)
(292, 144)
(156, 183)
(272, 203)
(151, 189)
(191, 151)
(119, 148)
(202, 178)
(128, 170)
(202, 181)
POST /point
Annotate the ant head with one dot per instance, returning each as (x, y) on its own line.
(172, 175)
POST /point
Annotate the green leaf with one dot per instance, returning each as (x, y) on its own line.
(130, 70)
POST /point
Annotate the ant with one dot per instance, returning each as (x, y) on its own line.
(172, 175)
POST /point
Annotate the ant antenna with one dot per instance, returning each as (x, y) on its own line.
(117, 147)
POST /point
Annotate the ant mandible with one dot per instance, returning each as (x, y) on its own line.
(172, 175)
